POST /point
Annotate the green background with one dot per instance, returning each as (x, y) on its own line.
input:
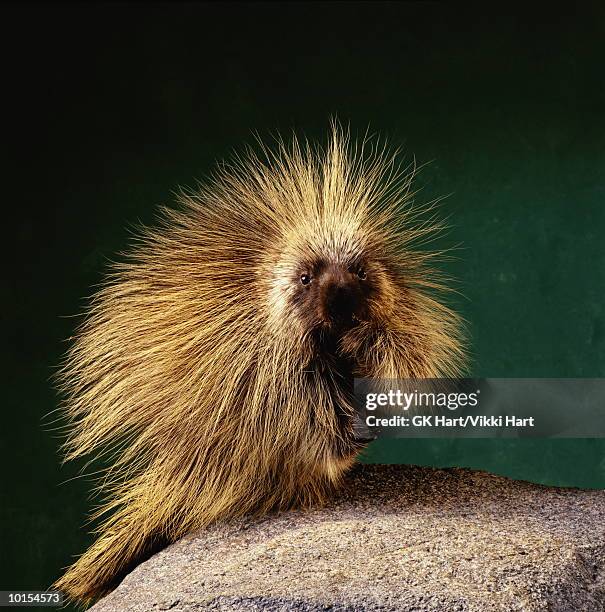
(111, 107)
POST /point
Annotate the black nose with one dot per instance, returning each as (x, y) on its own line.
(340, 301)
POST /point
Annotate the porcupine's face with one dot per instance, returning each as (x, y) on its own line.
(328, 289)
(332, 293)
(325, 287)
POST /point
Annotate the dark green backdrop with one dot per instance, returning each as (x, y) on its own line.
(110, 108)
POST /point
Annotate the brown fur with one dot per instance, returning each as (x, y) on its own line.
(215, 392)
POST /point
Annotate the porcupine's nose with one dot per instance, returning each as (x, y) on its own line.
(341, 298)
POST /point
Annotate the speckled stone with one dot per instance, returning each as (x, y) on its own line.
(395, 538)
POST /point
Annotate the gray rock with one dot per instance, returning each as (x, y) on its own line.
(396, 538)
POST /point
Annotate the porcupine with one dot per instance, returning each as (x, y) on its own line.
(215, 364)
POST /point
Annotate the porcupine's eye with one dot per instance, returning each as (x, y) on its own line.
(305, 279)
(358, 271)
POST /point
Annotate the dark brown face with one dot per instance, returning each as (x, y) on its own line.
(333, 295)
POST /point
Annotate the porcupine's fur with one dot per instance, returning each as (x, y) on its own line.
(200, 367)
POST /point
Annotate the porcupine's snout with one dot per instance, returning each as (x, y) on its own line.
(342, 301)
(343, 304)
